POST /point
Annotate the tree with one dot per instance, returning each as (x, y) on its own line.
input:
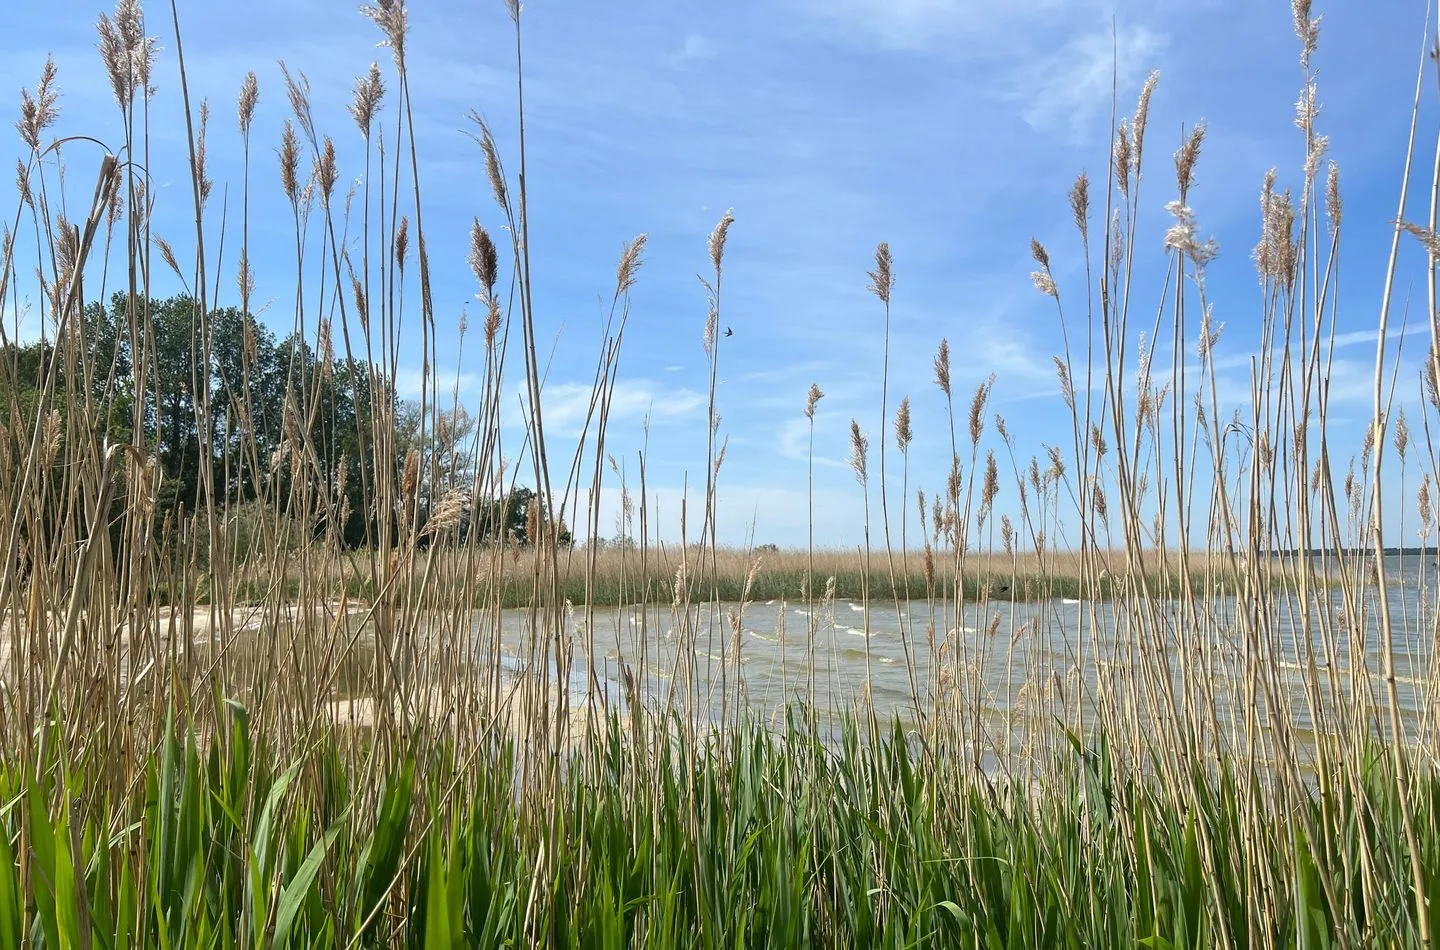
(516, 518)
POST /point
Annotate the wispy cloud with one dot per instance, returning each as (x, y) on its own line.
(567, 404)
(409, 382)
(1054, 61)
(792, 441)
(1363, 337)
(928, 24)
(1066, 89)
(696, 48)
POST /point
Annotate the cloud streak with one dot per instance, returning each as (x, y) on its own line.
(566, 405)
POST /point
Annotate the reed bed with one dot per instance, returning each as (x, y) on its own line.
(282, 664)
(618, 576)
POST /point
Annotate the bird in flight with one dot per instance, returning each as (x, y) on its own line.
(729, 331)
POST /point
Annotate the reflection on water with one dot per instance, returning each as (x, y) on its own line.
(1236, 661)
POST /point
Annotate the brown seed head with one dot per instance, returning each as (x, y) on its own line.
(942, 367)
(116, 207)
(859, 453)
(1183, 237)
(453, 509)
(369, 93)
(290, 164)
(992, 481)
(167, 253)
(245, 107)
(630, 261)
(1307, 29)
(1186, 157)
(393, 20)
(402, 242)
(679, 585)
(40, 112)
(484, 259)
(127, 52)
(1307, 107)
(410, 478)
(1038, 252)
(902, 425)
(494, 171)
(22, 183)
(67, 248)
(492, 322)
(342, 477)
(717, 240)
(1117, 242)
(881, 279)
(1080, 205)
(325, 171)
(7, 250)
(1142, 115)
(712, 322)
(202, 155)
(362, 306)
(977, 410)
(1067, 391)
(812, 399)
(1209, 335)
(1334, 207)
(51, 433)
(325, 349)
(298, 91)
(1097, 441)
(1122, 159)
(245, 279)
(1428, 238)
(1057, 464)
(1275, 254)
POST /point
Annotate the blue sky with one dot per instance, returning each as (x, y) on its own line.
(950, 128)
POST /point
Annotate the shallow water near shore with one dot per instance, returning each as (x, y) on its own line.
(1000, 664)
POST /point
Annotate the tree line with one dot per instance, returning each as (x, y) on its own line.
(239, 413)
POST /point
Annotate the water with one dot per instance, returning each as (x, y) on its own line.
(1006, 664)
